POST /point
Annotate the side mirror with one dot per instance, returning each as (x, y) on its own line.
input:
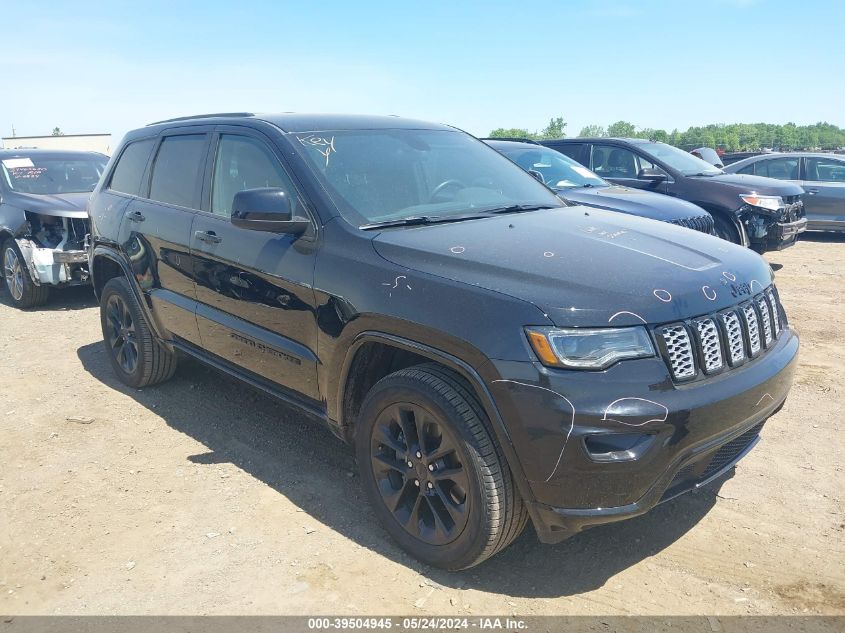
(650, 173)
(537, 176)
(267, 209)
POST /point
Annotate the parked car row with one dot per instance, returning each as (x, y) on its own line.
(494, 354)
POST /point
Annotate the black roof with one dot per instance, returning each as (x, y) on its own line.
(294, 122)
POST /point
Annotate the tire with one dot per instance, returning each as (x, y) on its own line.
(138, 359)
(726, 230)
(22, 290)
(471, 484)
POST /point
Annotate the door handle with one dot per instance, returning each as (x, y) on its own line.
(135, 216)
(209, 237)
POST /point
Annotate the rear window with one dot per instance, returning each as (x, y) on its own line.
(176, 170)
(573, 150)
(127, 174)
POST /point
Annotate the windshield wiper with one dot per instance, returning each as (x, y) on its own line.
(516, 208)
(418, 220)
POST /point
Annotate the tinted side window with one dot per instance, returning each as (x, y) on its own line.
(825, 169)
(244, 163)
(573, 150)
(177, 168)
(610, 161)
(748, 169)
(127, 174)
(780, 168)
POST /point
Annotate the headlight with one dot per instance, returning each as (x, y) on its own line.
(772, 203)
(577, 348)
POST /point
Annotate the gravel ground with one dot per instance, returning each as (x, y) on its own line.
(202, 496)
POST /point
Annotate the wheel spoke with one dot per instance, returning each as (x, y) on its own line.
(443, 520)
(386, 437)
(440, 452)
(404, 418)
(391, 462)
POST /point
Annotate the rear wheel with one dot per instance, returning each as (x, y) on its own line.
(24, 292)
(434, 472)
(136, 356)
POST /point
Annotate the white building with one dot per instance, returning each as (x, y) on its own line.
(87, 142)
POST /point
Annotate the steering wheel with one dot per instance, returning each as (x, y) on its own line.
(445, 185)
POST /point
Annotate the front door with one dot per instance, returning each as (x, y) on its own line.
(622, 166)
(825, 186)
(256, 305)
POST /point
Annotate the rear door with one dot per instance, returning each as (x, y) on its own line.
(256, 304)
(155, 232)
(824, 182)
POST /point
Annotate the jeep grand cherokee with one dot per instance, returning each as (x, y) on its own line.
(492, 356)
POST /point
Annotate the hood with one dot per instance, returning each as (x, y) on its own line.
(65, 205)
(584, 266)
(634, 201)
(744, 183)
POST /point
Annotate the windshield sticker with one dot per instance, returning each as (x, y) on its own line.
(583, 171)
(26, 173)
(15, 163)
(323, 145)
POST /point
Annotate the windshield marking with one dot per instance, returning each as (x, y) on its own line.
(312, 140)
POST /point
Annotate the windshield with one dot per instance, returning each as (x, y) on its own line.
(390, 174)
(52, 175)
(679, 160)
(558, 171)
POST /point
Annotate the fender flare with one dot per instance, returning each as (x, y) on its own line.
(476, 382)
(113, 255)
(729, 216)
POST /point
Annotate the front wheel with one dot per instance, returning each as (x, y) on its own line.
(434, 472)
(24, 292)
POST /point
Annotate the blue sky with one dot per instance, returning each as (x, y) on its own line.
(108, 67)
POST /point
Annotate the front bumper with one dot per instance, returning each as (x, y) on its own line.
(673, 437)
(53, 267)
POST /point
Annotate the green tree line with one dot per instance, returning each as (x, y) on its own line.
(729, 137)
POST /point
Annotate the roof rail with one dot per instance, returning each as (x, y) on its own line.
(515, 139)
(203, 116)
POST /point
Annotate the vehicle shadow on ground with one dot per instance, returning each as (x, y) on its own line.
(314, 470)
(73, 298)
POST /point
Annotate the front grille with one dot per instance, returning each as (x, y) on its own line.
(751, 327)
(680, 351)
(710, 343)
(701, 223)
(711, 348)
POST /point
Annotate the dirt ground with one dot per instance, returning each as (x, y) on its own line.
(202, 496)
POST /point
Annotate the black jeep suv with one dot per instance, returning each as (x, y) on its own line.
(761, 213)
(491, 356)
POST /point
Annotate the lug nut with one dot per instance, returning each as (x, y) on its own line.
(419, 455)
(410, 464)
(431, 467)
(417, 483)
(430, 485)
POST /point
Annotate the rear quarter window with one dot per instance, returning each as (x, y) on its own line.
(129, 170)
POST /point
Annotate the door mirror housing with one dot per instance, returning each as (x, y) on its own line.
(267, 209)
(652, 174)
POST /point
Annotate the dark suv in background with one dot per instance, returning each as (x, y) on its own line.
(761, 213)
(577, 184)
(492, 356)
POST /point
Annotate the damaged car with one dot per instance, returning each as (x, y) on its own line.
(43, 220)
(761, 213)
